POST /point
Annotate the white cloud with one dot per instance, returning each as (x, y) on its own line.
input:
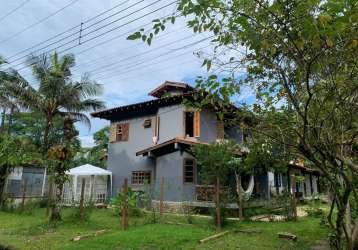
(86, 141)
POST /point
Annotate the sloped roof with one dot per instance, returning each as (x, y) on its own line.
(88, 169)
(170, 85)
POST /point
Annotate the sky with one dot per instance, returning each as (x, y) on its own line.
(127, 70)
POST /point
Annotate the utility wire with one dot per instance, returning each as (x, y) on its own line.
(77, 32)
(66, 31)
(134, 66)
(13, 10)
(38, 22)
(112, 55)
(118, 36)
(102, 34)
(140, 54)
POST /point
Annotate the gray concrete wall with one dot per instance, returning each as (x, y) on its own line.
(171, 122)
(208, 128)
(170, 167)
(122, 159)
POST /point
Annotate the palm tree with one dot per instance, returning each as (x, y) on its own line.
(58, 94)
(7, 101)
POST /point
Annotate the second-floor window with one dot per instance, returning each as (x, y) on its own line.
(119, 132)
(192, 124)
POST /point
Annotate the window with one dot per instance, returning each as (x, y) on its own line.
(192, 124)
(147, 123)
(189, 124)
(189, 171)
(119, 132)
(141, 177)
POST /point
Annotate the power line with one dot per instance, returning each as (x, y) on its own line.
(66, 31)
(38, 22)
(118, 36)
(13, 10)
(141, 54)
(102, 34)
(93, 62)
(78, 32)
(134, 66)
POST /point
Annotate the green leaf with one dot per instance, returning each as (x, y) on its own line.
(134, 36)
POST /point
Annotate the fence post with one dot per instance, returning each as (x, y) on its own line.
(217, 201)
(82, 211)
(23, 194)
(161, 202)
(124, 212)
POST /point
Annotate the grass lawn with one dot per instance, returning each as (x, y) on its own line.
(32, 232)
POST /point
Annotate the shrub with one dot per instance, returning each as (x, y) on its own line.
(133, 197)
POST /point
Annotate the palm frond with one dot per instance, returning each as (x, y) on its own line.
(80, 117)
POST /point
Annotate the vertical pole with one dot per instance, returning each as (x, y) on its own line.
(124, 213)
(217, 200)
(91, 187)
(241, 203)
(161, 204)
(82, 214)
(23, 195)
(294, 203)
(43, 183)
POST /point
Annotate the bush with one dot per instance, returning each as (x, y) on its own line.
(133, 197)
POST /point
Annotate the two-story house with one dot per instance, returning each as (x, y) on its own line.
(151, 140)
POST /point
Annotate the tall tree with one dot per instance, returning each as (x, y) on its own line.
(58, 95)
(301, 59)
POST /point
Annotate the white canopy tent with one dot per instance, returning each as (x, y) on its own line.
(96, 183)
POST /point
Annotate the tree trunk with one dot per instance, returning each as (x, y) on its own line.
(2, 126)
(355, 235)
(217, 204)
(56, 206)
(46, 134)
(3, 177)
(10, 120)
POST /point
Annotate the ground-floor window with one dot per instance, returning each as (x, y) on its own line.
(141, 177)
(189, 170)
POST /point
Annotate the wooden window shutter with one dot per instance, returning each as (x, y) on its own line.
(112, 132)
(220, 129)
(197, 124)
(125, 129)
(157, 125)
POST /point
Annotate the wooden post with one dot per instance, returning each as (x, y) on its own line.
(23, 195)
(241, 200)
(82, 207)
(161, 204)
(124, 212)
(294, 202)
(217, 201)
